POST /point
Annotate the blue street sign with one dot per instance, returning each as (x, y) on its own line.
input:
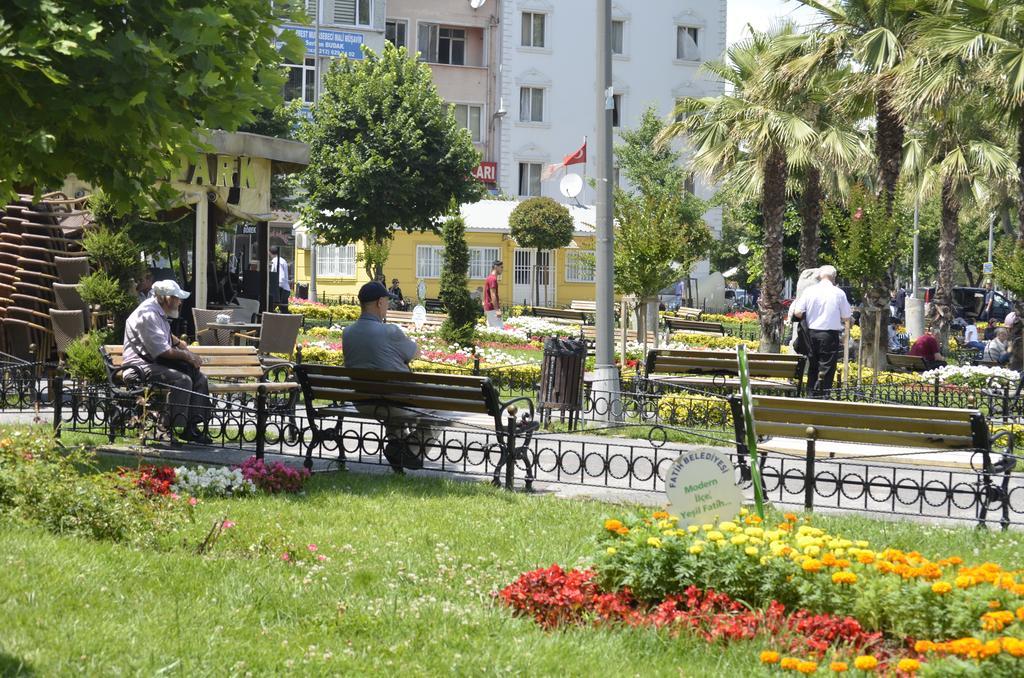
(332, 43)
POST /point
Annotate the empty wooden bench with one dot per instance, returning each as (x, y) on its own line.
(588, 333)
(719, 368)
(331, 393)
(693, 326)
(906, 363)
(933, 437)
(570, 314)
(687, 313)
(583, 305)
(404, 319)
(229, 370)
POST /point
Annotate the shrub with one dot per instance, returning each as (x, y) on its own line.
(84, 361)
(311, 353)
(460, 325)
(712, 341)
(103, 290)
(345, 312)
(275, 477)
(688, 408)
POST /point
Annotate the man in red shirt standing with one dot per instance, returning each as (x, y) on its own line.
(927, 346)
(492, 306)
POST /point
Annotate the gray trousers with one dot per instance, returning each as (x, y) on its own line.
(400, 425)
(189, 399)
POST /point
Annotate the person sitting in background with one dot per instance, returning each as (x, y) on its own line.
(927, 346)
(398, 301)
(998, 350)
(971, 338)
(144, 287)
(895, 346)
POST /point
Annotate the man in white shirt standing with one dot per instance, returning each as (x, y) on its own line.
(826, 310)
(279, 299)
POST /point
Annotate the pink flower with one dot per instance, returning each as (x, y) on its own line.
(285, 557)
(227, 524)
(174, 496)
(321, 557)
(858, 214)
(312, 548)
(192, 501)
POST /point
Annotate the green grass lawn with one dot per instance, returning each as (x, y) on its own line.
(406, 589)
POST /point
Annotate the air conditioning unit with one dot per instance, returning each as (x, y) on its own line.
(302, 241)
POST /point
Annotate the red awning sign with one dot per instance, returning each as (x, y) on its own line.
(486, 172)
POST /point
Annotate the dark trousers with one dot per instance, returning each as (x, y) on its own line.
(821, 363)
(189, 395)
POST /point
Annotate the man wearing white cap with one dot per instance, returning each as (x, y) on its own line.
(153, 354)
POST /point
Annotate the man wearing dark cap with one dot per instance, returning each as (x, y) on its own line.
(370, 343)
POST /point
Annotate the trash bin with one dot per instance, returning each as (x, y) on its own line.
(561, 379)
(302, 290)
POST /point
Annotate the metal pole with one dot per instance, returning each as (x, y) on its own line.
(917, 245)
(310, 239)
(606, 374)
(991, 235)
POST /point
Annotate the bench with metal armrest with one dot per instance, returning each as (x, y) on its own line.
(680, 367)
(693, 326)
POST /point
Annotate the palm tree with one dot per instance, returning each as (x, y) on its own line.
(746, 137)
(988, 34)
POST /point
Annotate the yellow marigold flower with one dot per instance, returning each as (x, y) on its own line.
(739, 539)
(789, 663)
(942, 587)
(908, 665)
(696, 549)
(865, 662)
(660, 515)
(1020, 613)
(654, 541)
(613, 525)
(693, 529)
(964, 581)
(994, 605)
(769, 657)
(728, 526)
(664, 524)
(612, 550)
(924, 646)
(861, 544)
(812, 550)
(754, 532)
(715, 535)
(828, 560)
(838, 667)
(844, 578)
(789, 517)
(811, 565)
(807, 667)
(744, 511)
(751, 551)
(1013, 646)
(707, 527)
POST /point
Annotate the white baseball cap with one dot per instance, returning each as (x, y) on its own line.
(168, 288)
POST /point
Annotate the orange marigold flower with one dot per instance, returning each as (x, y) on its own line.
(811, 565)
(942, 587)
(613, 525)
(753, 520)
(839, 667)
(924, 646)
(789, 663)
(908, 665)
(828, 559)
(769, 657)
(994, 605)
(955, 560)
(1014, 647)
(866, 662)
(865, 557)
(844, 578)
(789, 517)
(622, 531)
(996, 621)
(785, 527)
(842, 563)
(964, 581)
(807, 667)
(1020, 613)
(660, 515)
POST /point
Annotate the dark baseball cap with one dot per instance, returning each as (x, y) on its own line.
(372, 291)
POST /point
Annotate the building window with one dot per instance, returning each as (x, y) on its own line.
(480, 261)
(469, 116)
(579, 266)
(333, 261)
(618, 32)
(533, 29)
(429, 259)
(395, 31)
(529, 179)
(688, 43)
(441, 45)
(616, 110)
(301, 83)
(531, 104)
(353, 12)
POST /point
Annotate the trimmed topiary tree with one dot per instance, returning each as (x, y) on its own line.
(460, 327)
(543, 224)
(116, 266)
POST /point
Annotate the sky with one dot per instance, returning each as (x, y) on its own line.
(761, 14)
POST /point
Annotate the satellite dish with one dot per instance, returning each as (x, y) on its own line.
(476, 4)
(571, 185)
(743, 248)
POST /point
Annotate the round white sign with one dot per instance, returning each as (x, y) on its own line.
(701, 488)
(419, 317)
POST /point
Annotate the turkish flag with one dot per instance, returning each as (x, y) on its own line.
(575, 158)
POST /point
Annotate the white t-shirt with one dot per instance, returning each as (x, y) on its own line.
(970, 333)
(281, 266)
(824, 305)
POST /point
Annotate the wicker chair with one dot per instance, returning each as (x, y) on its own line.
(278, 334)
(207, 333)
(252, 308)
(67, 326)
(28, 341)
(71, 269)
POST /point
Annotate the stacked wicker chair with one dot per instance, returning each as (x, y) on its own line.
(36, 241)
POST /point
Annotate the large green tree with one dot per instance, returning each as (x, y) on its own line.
(540, 224)
(113, 91)
(385, 151)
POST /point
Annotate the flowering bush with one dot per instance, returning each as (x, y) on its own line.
(502, 335)
(152, 480)
(712, 341)
(974, 376)
(540, 327)
(686, 408)
(206, 481)
(275, 477)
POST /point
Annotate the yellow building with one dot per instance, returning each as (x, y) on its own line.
(562, 275)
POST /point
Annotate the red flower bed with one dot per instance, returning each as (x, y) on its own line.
(554, 597)
(152, 480)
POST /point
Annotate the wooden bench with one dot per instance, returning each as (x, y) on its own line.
(932, 437)
(693, 326)
(687, 313)
(906, 363)
(404, 319)
(570, 314)
(331, 393)
(583, 305)
(229, 370)
(588, 333)
(719, 368)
